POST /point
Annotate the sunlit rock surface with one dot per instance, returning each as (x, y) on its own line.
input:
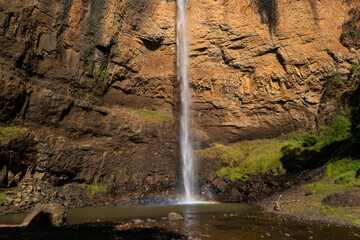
(82, 75)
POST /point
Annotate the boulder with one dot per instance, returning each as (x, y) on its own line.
(12, 96)
(175, 216)
(44, 215)
(350, 198)
(234, 193)
(137, 221)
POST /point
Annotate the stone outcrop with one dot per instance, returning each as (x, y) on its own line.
(17, 155)
(43, 215)
(350, 198)
(255, 187)
(175, 216)
(80, 75)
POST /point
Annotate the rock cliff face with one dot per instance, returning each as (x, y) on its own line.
(95, 81)
(262, 68)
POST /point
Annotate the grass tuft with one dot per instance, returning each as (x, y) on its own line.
(239, 161)
(9, 131)
(99, 188)
(146, 114)
(280, 155)
(345, 168)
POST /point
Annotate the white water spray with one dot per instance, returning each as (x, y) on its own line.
(188, 170)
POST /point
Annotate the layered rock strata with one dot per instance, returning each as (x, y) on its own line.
(95, 81)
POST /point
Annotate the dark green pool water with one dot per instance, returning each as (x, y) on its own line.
(208, 221)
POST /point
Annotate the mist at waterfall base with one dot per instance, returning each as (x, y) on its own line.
(188, 168)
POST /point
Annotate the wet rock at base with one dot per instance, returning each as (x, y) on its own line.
(44, 215)
(175, 216)
(137, 221)
(234, 193)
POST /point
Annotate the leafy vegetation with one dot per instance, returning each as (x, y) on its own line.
(4, 198)
(146, 114)
(316, 147)
(97, 188)
(345, 168)
(293, 153)
(80, 91)
(239, 161)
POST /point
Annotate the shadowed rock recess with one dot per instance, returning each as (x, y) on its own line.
(92, 87)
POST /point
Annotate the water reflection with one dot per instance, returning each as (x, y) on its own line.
(190, 220)
(210, 221)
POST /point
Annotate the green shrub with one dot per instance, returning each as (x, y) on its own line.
(239, 161)
(310, 140)
(317, 147)
(337, 130)
(297, 158)
(297, 153)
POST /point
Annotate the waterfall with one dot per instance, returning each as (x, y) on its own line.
(188, 170)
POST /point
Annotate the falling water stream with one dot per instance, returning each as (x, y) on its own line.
(188, 171)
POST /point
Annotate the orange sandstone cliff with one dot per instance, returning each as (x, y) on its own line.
(94, 84)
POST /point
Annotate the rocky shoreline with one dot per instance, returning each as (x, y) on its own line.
(31, 191)
(175, 226)
(261, 190)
